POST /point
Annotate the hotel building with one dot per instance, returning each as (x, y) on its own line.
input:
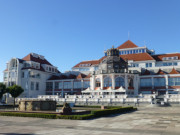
(127, 69)
(31, 73)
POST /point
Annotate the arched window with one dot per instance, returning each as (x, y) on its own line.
(98, 83)
(119, 82)
(107, 82)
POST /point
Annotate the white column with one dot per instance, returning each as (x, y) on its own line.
(102, 82)
(126, 82)
(136, 84)
(113, 81)
(166, 83)
(92, 82)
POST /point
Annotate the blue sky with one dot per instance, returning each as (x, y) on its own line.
(69, 31)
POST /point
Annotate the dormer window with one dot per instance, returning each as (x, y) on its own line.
(170, 58)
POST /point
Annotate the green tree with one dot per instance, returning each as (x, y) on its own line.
(2, 89)
(15, 91)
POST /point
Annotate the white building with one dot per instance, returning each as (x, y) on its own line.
(127, 69)
(31, 73)
(145, 72)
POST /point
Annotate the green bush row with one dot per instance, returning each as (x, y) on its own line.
(94, 114)
(105, 112)
(37, 115)
(76, 117)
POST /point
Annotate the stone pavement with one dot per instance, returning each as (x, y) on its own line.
(145, 121)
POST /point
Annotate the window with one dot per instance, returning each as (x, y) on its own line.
(83, 69)
(22, 74)
(32, 85)
(134, 65)
(148, 64)
(119, 81)
(77, 85)
(98, 83)
(134, 51)
(107, 82)
(49, 85)
(96, 68)
(174, 81)
(159, 82)
(56, 85)
(119, 53)
(67, 85)
(37, 85)
(143, 51)
(175, 63)
(146, 82)
(131, 52)
(50, 68)
(60, 85)
(86, 84)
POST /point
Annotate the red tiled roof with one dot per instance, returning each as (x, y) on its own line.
(92, 62)
(160, 72)
(137, 57)
(80, 76)
(160, 57)
(174, 71)
(127, 44)
(88, 76)
(29, 57)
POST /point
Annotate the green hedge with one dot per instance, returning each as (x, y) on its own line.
(76, 117)
(94, 114)
(104, 112)
(37, 115)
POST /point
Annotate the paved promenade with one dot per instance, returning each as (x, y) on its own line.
(145, 121)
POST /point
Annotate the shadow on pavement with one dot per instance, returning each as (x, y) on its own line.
(14, 134)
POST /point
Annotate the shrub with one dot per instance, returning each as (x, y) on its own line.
(75, 117)
(104, 112)
(37, 115)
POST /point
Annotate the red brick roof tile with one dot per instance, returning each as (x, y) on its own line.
(160, 72)
(92, 62)
(80, 76)
(174, 71)
(29, 57)
(127, 44)
(160, 57)
(137, 57)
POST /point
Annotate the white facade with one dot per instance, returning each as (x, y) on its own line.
(31, 73)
